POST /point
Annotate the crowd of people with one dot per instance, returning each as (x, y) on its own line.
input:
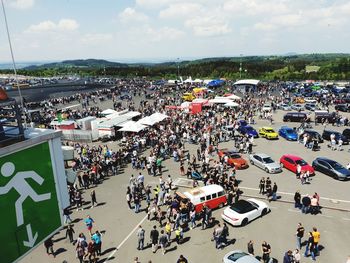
(173, 215)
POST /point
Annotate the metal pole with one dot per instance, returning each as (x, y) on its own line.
(178, 69)
(13, 63)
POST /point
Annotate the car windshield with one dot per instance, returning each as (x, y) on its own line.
(301, 162)
(269, 130)
(290, 131)
(268, 160)
(336, 166)
(234, 155)
(242, 207)
(237, 255)
(248, 128)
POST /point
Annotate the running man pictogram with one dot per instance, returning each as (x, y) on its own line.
(19, 183)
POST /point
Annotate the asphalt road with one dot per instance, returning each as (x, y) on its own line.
(277, 228)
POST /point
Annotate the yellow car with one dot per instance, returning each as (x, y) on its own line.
(188, 96)
(268, 133)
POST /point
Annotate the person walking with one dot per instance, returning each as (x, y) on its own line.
(262, 185)
(89, 223)
(297, 199)
(128, 197)
(296, 256)
(49, 246)
(299, 235)
(80, 252)
(93, 198)
(250, 247)
(154, 235)
(66, 215)
(274, 192)
(182, 259)
(69, 233)
(316, 235)
(163, 241)
(310, 247)
(96, 237)
(140, 238)
(266, 250)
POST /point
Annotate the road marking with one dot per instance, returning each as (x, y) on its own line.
(126, 238)
(347, 219)
(273, 207)
(292, 194)
(326, 216)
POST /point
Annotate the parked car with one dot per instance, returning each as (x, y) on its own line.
(331, 168)
(312, 134)
(268, 133)
(244, 211)
(346, 133)
(311, 106)
(188, 96)
(342, 107)
(249, 130)
(265, 162)
(326, 135)
(297, 107)
(234, 158)
(288, 133)
(295, 117)
(322, 116)
(238, 256)
(242, 123)
(290, 162)
(125, 97)
(284, 107)
(266, 107)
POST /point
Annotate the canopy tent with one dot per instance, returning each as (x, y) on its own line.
(158, 116)
(132, 126)
(204, 102)
(216, 83)
(231, 104)
(108, 112)
(220, 100)
(198, 81)
(189, 80)
(315, 87)
(147, 121)
(233, 97)
(247, 82)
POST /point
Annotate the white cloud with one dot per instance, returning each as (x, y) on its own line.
(163, 33)
(96, 38)
(47, 26)
(208, 26)
(21, 4)
(180, 9)
(152, 4)
(131, 15)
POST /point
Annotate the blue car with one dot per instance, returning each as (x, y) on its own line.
(242, 123)
(249, 130)
(288, 133)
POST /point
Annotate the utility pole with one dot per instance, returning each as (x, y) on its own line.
(240, 67)
(178, 69)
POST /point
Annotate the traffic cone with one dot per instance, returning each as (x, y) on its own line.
(3, 95)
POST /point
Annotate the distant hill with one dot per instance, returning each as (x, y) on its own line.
(79, 63)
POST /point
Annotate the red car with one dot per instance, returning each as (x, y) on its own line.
(234, 158)
(290, 162)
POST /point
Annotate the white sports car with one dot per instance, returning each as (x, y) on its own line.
(244, 211)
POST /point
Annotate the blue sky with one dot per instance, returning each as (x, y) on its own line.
(141, 30)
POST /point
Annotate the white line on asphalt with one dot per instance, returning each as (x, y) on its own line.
(286, 193)
(125, 239)
(347, 219)
(273, 207)
(326, 216)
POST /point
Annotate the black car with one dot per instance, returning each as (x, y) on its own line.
(346, 133)
(342, 107)
(322, 116)
(331, 168)
(313, 134)
(326, 135)
(295, 117)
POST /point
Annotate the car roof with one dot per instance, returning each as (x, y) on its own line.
(325, 159)
(265, 127)
(286, 128)
(245, 259)
(291, 156)
(262, 155)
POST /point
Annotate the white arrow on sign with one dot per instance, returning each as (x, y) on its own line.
(31, 239)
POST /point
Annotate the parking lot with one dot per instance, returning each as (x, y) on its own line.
(118, 223)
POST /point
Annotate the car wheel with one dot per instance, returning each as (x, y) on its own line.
(221, 205)
(264, 212)
(288, 120)
(267, 170)
(336, 177)
(252, 163)
(281, 165)
(244, 222)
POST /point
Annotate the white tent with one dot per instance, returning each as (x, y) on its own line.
(147, 121)
(220, 100)
(247, 82)
(158, 116)
(185, 105)
(108, 112)
(231, 104)
(233, 97)
(189, 80)
(132, 126)
(198, 81)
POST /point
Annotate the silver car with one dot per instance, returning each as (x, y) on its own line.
(238, 256)
(265, 162)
